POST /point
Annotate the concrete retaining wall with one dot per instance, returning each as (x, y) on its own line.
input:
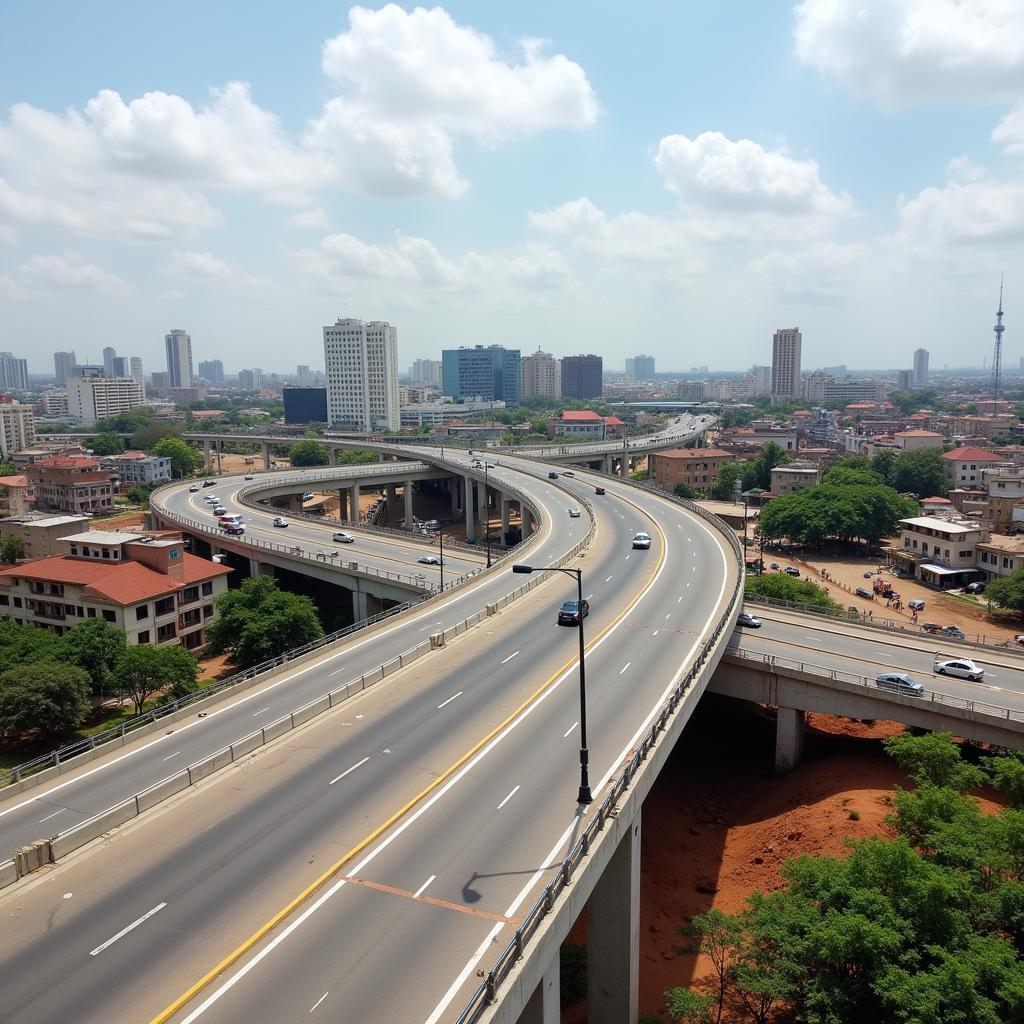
(212, 764)
(162, 790)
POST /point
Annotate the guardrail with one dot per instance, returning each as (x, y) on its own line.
(868, 683)
(486, 993)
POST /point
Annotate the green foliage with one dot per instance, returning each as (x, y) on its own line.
(258, 621)
(7, 468)
(684, 1006)
(107, 443)
(1007, 592)
(142, 671)
(724, 488)
(47, 698)
(1006, 770)
(309, 453)
(125, 422)
(933, 759)
(138, 495)
(11, 549)
(922, 472)
(758, 471)
(684, 491)
(780, 587)
(149, 434)
(27, 645)
(185, 458)
(95, 646)
(845, 476)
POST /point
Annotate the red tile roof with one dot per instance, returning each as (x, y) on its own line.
(918, 433)
(971, 454)
(693, 453)
(68, 462)
(613, 421)
(581, 415)
(14, 481)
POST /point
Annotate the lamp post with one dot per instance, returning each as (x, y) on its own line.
(584, 796)
(486, 510)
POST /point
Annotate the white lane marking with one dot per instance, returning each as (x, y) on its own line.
(445, 703)
(689, 540)
(668, 616)
(624, 667)
(337, 672)
(419, 892)
(655, 633)
(169, 756)
(358, 764)
(810, 637)
(510, 657)
(124, 931)
(589, 596)
(610, 578)
(261, 710)
(63, 809)
(319, 1001)
(569, 730)
(509, 797)
(626, 559)
(695, 568)
(680, 597)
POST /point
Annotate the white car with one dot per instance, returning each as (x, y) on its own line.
(279, 521)
(962, 667)
(430, 560)
(574, 513)
(211, 499)
(193, 489)
(641, 540)
(343, 538)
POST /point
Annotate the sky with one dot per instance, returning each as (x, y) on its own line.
(671, 178)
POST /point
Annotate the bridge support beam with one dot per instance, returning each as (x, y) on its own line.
(407, 495)
(207, 449)
(266, 456)
(332, 456)
(613, 936)
(453, 490)
(504, 517)
(468, 505)
(359, 609)
(789, 738)
(624, 465)
(609, 465)
(257, 568)
(544, 1006)
(353, 502)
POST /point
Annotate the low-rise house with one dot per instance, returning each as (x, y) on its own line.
(694, 467)
(914, 440)
(133, 468)
(794, 477)
(1000, 556)
(71, 483)
(940, 552)
(965, 464)
(14, 495)
(40, 532)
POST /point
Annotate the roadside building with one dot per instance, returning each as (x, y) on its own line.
(1000, 556)
(941, 553)
(794, 477)
(694, 467)
(14, 495)
(41, 533)
(137, 468)
(70, 483)
(579, 424)
(914, 440)
(1005, 501)
(17, 427)
(965, 464)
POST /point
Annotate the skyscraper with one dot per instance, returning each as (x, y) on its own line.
(920, 375)
(643, 367)
(135, 371)
(179, 358)
(13, 372)
(541, 375)
(490, 373)
(361, 360)
(426, 371)
(63, 364)
(121, 366)
(582, 376)
(109, 355)
(786, 363)
(212, 370)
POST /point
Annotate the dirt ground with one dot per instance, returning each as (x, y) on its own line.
(718, 825)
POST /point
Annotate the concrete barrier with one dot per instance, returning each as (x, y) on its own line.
(436, 641)
(161, 791)
(246, 745)
(68, 842)
(373, 677)
(8, 873)
(339, 695)
(278, 728)
(212, 764)
(391, 666)
(311, 710)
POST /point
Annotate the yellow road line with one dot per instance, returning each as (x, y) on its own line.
(236, 954)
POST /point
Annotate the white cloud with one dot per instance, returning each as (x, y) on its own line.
(818, 275)
(313, 219)
(70, 270)
(202, 266)
(539, 266)
(1010, 131)
(905, 51)
(963, 213)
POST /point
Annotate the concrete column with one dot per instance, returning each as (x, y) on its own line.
(407, 494)
(359, 611)
(381, 457)
(608, 464)
(789, 738)
(468, 503)
(543, 1007)
(453, 490)
(206, 453)
(392, 493)
(353, 501)
(624, 468)
(483, 513)
(342, 503)
(504, 517)
(266, 456)
(332, 456)
(613, 936)
(257, 568)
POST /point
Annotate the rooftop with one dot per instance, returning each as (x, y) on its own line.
(694, 453)
(1003, 543)
(971, 454)
(43, 521)
(937, 523)
(109, 537)
(918, 433)
(581, 415)
(13, 481)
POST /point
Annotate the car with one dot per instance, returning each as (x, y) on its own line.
(209, 483)
(430, 560)
(574, 513)
(220, 511)
(279, 521)
(307, 496)
(417, 576)
(641, 540)
(599, 490)
(552, 475)
(915, 604)
(746, 619)
(962, 667)
(868, 575)
(211, 499)
(248, 476)
(234, 528)
(568, 472)
(791, 570)
(953, 631)
(193, 488)
(774, 565)
(569, 613)
(975, 588)
(343, 538)
(899, 682)
(230, 517)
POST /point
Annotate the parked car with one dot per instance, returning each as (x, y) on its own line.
(307, 496)
(193, 488)
(281, 522)
(599, 490)
(343, 538)
(746, 619)
(791, 570)
(641, 540)
(962, 667)
(569, 613)
(915, 604)
(248, 476)
(574, 513)
(430, 560)
(774, 565)
(975, 588)
(868, 575)
(865, 593)
(899, 682)
(953, 631)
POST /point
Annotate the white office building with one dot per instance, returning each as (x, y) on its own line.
(136, 374)
(17, 428)
(361, 360)
(95, 398)
(541, 375)
(13, 372)
(63, 364)
(179, 358)
(786, 345)
(920, 378)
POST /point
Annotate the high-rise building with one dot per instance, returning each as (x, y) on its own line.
(122, 367)
(13, 372)
(582, 376)
(109, 355)
(212, 370)
(540, 375)
(135, 371)
(305, 405)
(643, 367)
(361, 360)
(17, 428)
(426, 371)
(786, 363)
(762, 379)
(904, 380)
(920, 378)
(304, 376)
(160, 380)
(54, 403)
(489, 373)
(63, 364)
(250, 380)
(95, 398)
(179, 358)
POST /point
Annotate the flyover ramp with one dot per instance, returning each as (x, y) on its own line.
(482, 839)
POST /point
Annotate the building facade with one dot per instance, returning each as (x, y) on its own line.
(694, 467)
(941, 553)
(305, 405)
(17, 428)
(965, 465)
(541, 375)
(582, 377)
(40, 532)
(70, 483)
(640, 368)
(794, 477)
(14, 493)
(95, 398)
(212, 371)
(361, 360)
(179, 358)
(786, 344)
(63, 364)
(482, 373)
(920, 375)
(135, 468)
(13, 372)
(426, 371)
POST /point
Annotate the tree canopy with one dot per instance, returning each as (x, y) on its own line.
(142, 671)
(309, 453)
(11, 549)
(1007, 592)
(47, 698)
(780, 587)
(758, 471)
(724, 487)
(922, 471)
(107, 443)
(185, 458)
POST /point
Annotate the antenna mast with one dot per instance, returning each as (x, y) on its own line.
(997, 353)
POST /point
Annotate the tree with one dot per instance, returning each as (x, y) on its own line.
(95, 646)
(934, 760)
(147, 436)
(142, 671)
(138, 495)
(11, 549)
(724, 487)
(758, 471)
(718, 936)
(309, 453)
(1007, 772)
(922, 472)
(26, 645)
(185, 459)
(845, 476)
(684, 491)
(107, 443)
(684, 1006)
(780, 587)
(258, 621)
(47, 698)
(1007, 592)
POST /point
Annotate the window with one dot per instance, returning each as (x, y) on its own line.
(165, 605)
(109, 615)
(168, 632)
(144, 637)
(17, 602)
(207, 588)
(92, 613)
(4, 599)
(142, 612)
(207, 611)
(189, 594)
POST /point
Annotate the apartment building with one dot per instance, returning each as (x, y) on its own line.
(40, 532)
(70, 483)
(146, 586)
(965, 465)
(17, 427)
(361, 361)
(1000, 556)
(786, 344)
(95, 398)
(482, 372)
(694, 467)
(138, 468)
(1005, 506)
(582, 376)
(541, 375)
(794, 477)
(941, 553)
(914, 440)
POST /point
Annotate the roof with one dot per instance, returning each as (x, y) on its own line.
(118, 582)
(936, 501)
(693, 453)
(68, 462)
(1000, 542)
(581, 415)
(945, 570)
(43, 521)
(13, 481)
(971, 454)
(108, 537)
(933, 523)
(613, 421)
(918, 433)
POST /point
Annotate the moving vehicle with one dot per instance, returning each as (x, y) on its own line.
(868, 575)
(234, 528)
(865, 593)
(209, 483)
(964, 668)
(552, 475)
(219, 511)
(746, 619)
(432, 525)
(280, 521)
(211, 499)
(193, 488)
(574, 513)
(248, 476)
(641, 540)
(899, 682)
(569, 613)
(430, 560)
(307, 496)
(599, 490)
(915, 604)
(791, 570)
(568, 472)
(343, 538)
(230, 517)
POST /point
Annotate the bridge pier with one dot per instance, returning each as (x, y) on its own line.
(789, 738)
(453, 490)
(468, 504)
(624, 465)
(266, 456)
(257, 568)
(544, 1006)
(207, 449)
(342, 504)
(332, 456)
(359, 609)
(504, 517)
(407, 495)
(609, 465)
(353, 501)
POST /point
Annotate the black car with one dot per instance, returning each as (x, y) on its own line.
(791, 570)
(552, 476)
(569, 613)
(209, 483)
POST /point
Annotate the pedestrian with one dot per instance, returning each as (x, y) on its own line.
(871, 615)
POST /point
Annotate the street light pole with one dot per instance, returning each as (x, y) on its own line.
(486, 510)
(440, 540)
(584, 796)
